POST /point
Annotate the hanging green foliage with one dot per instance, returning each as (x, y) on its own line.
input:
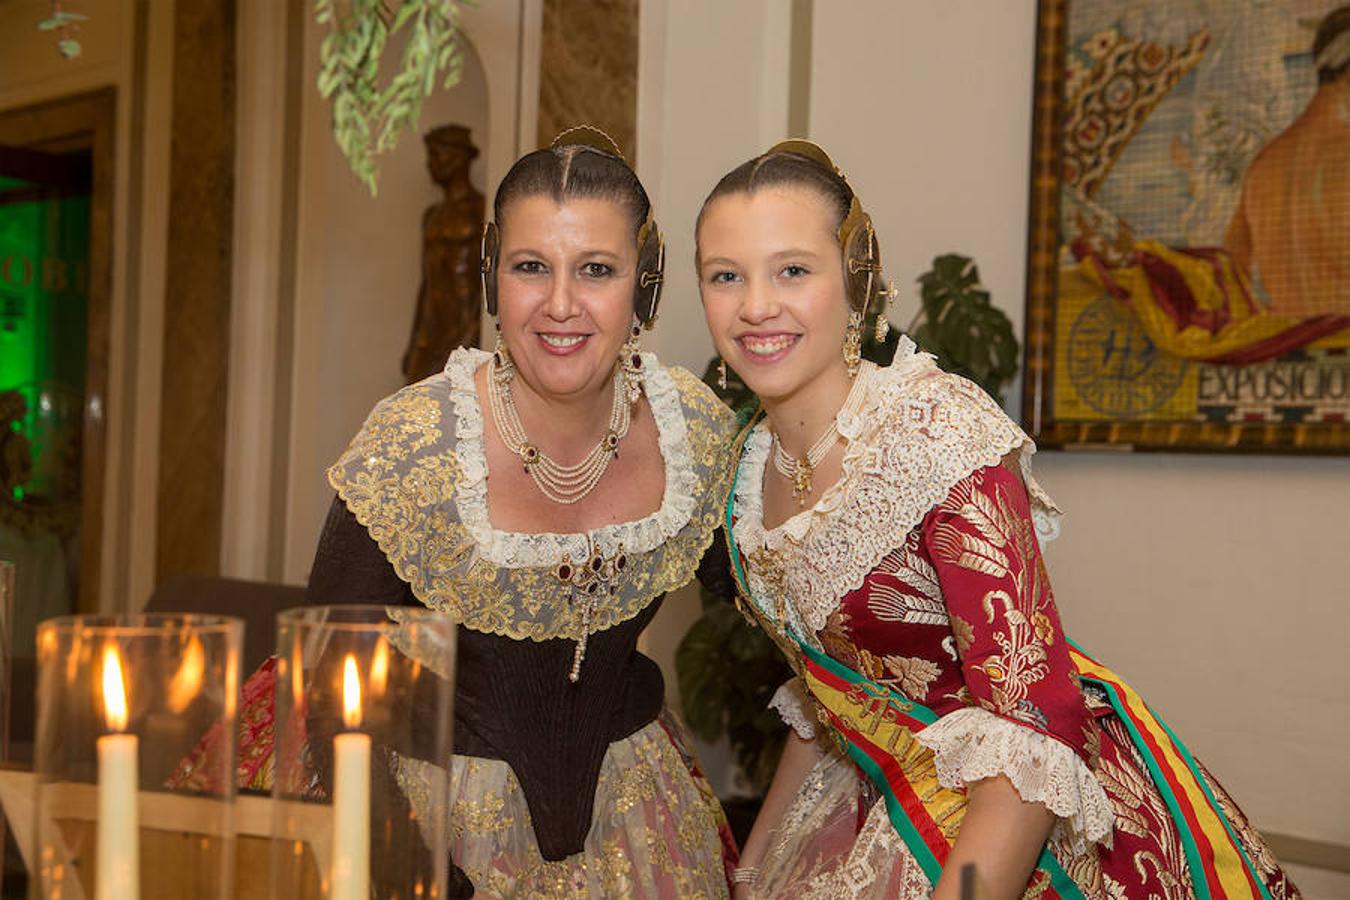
(370, 108)
(65, 24)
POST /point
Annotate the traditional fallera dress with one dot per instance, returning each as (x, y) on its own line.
(913, 602)
(558, 788)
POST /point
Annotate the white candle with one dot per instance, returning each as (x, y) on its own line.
(119, 853)
(351, 796)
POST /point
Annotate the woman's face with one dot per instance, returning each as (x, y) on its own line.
(565, 291)
(772, 281)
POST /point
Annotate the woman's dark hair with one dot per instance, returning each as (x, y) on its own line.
(1336, 23)
(572, 171)
(783, 169)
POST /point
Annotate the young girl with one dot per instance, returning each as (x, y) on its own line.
(884, 530)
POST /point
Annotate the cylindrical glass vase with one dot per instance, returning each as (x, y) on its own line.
(363, 742)
(135, 756)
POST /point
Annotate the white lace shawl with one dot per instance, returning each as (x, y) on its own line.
(920, 432)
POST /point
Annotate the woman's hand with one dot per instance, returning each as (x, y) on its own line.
(1001, 835)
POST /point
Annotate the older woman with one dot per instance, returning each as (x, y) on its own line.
(547, 495)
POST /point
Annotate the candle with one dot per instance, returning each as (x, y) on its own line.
(351, 796)
(119, 853)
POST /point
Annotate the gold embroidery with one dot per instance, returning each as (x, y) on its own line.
(911, 675)
(636, 786)
(483, 816)
(401, 479)
(1025, 628)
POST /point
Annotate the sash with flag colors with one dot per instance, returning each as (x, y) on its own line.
(875, 726)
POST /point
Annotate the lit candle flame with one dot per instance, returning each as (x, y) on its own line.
(114, 690)
(187, 681)
(379, 668)
(351, 694)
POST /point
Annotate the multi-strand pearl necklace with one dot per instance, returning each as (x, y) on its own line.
(559, 483)
(801, 471)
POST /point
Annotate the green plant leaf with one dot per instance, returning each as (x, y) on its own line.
(962, 328)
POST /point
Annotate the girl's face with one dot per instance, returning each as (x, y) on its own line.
(565, 291)
(772, 281)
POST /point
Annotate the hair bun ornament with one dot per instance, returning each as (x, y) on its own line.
(857, 236)
(591, 137)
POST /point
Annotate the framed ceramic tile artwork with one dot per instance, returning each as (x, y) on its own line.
(1189, 252)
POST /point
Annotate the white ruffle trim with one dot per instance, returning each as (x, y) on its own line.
(920, 432)
(795, 710)
(971, 744)
(511, 549)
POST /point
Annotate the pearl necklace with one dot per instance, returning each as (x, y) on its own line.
(801, 471)
(559, 483)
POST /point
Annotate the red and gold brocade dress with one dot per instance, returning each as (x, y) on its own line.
(921, 571)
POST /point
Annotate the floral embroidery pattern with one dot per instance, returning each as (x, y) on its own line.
(1002, 547)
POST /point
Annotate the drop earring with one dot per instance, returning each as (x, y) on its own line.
(853, 343)
(887, 295)
(503, 370)
(630, 362)
(722, 373)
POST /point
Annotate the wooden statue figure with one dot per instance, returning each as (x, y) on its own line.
(447, 302)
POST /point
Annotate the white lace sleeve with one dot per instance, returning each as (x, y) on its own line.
(795, 709)
(971, 744)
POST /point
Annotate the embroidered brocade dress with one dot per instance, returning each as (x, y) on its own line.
(558, 789)
(921, 569)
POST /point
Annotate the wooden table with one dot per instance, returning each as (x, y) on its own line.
(179, 844)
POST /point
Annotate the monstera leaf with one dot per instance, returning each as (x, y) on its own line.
(958, 325)
(728, 671)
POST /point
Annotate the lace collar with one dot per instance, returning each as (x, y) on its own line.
(920, 432)
(415, 477)
(515, 549)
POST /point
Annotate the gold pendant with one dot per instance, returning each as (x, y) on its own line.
(590, 581)
(801, 480)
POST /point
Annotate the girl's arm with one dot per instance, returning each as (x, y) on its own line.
(1001, 835)
(799, 757)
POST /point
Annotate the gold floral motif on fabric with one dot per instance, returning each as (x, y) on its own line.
(1004, 548)
(415, 477)
(654, 830)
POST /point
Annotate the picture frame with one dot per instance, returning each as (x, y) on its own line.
(1166, 307)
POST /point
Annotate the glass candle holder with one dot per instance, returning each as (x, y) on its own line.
(363, 742)
(135, 756)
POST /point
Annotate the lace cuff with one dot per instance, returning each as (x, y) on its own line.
(971, 744)
(795, 709)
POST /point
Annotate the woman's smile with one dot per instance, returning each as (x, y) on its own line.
(562, 343)
(767, 347)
